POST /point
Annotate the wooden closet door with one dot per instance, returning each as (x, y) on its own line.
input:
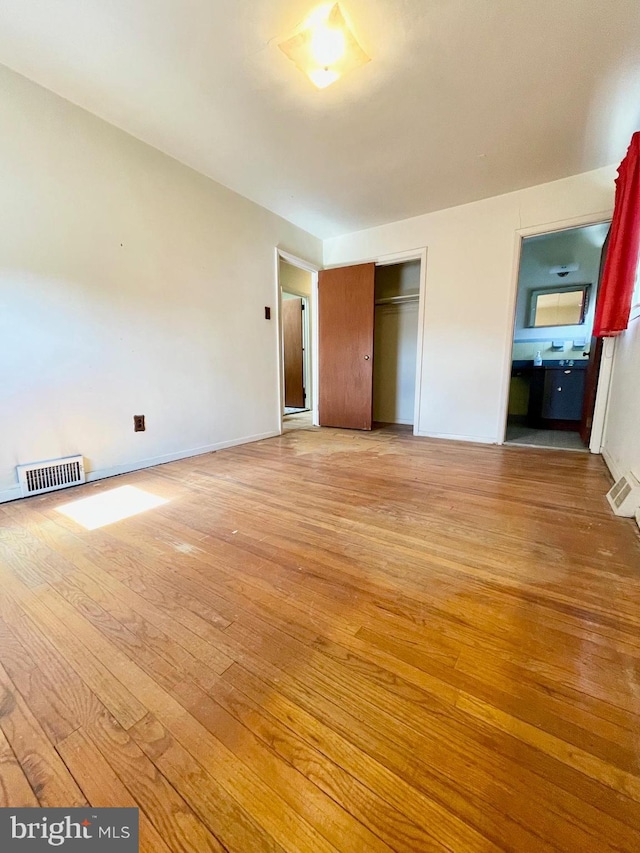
(345, 329)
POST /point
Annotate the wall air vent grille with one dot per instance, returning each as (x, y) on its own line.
(39, 477)
(624, 496)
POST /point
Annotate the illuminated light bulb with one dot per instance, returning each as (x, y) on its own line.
(327, 45)
(319, 17)
(324, 48)
(323, 77)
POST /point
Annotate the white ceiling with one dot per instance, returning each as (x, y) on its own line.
(463, 99)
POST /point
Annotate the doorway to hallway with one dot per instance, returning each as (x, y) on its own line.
(297, 294)
(295, 310)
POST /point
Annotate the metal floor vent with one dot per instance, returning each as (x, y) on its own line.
(39, 477)
(624, 496)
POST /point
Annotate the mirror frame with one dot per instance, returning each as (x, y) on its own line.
(547, 291)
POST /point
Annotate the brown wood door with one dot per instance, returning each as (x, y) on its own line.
(345, 354)
(593, 368)
(294, 395)
(591, 389)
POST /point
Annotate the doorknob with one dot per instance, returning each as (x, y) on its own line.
(366, 358)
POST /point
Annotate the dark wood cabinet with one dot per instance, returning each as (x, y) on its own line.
(556, 394)
(563, 394)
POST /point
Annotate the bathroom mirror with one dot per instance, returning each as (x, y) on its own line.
(559, 306)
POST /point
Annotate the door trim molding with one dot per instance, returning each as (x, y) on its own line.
(602, 395)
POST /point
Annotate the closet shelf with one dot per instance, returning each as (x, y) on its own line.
(398, 300)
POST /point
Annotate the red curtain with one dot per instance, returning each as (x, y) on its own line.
(618, 278)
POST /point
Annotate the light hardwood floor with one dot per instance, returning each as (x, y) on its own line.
(333, 641)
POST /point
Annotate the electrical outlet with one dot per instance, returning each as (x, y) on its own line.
(138, 423)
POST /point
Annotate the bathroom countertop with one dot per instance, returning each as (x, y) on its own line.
(578, 364)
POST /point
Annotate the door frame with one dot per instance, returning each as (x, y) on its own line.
(312, 324)
(604, 381)
(400, 258)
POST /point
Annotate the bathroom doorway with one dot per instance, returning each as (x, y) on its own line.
(555, 361)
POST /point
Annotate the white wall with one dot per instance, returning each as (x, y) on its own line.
(470, 292)
(621, 445)
(129, 284)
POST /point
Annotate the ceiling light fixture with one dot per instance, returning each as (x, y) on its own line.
(564, 269)
(325, 48)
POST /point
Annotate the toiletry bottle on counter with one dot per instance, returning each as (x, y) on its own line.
(537, 361)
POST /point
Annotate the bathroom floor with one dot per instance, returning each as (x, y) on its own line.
(554, 438)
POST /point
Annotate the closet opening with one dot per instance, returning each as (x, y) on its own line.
(370, 320)
(397, 292)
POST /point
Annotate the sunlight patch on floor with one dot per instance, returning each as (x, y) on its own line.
(109, 507)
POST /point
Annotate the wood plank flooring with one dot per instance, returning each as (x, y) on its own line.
(332, 641)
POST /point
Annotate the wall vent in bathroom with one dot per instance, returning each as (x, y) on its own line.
(624, 496)
(38, 477)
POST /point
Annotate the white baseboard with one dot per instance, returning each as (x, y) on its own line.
(102, 473)
(615, 472)
(474, 439)
(126, 468)
(10, 494)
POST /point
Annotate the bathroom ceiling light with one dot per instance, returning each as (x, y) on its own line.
(325, 48)
(564, 269)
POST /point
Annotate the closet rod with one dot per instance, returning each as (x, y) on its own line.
(398, 300)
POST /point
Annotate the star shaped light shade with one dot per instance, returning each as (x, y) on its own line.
(325, 48)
